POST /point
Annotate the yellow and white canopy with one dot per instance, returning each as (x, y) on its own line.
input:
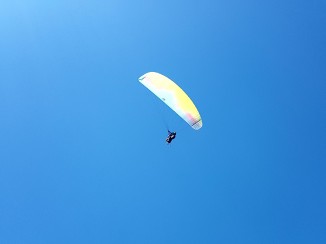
(173, 96)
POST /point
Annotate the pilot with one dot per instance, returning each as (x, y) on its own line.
(170, 137)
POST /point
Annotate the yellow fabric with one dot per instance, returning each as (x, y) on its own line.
(171, 94)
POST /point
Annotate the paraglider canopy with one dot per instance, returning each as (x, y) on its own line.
(173, 96)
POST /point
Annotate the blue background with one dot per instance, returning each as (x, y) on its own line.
(82, 143)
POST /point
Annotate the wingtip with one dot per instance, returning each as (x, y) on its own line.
(197, 125)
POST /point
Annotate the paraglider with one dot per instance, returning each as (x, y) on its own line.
(173, 96)
(170, 137)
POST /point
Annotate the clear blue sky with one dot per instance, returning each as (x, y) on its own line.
(82, 151)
